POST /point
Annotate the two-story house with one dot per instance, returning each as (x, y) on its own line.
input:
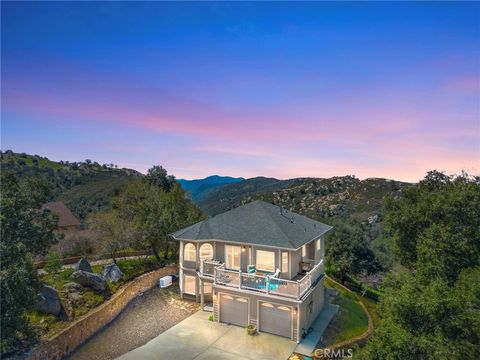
(256, 264)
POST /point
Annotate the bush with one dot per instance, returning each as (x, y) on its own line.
(53, 263)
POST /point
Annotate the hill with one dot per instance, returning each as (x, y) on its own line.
(199, 187)
(315, 197)
(84, 186)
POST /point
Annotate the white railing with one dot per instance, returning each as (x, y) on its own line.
(207, 267)
(310, 279)
(267, 284)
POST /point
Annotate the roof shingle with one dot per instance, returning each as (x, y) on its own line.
(258, 223)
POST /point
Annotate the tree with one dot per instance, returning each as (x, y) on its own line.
(153, 212)
(53, 263)
(432, 310)
(115, 233)
(26, 231)
(158, 176)
(348, 252)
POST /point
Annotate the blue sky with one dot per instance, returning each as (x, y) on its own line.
(245, 89)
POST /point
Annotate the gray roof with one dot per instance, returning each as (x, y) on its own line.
(258, 223)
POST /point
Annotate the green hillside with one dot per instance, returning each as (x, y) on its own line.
(84, 186)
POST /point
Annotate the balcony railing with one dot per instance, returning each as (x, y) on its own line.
(262, 283)
(207, 267)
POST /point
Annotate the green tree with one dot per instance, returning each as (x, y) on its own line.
(25, 231)
(347, 251)
(53, 263)
(154, 212)
(158, 176)
(432, 310)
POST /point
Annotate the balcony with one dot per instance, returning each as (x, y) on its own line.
(294, 289)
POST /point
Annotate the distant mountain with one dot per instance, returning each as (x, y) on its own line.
(199, 187)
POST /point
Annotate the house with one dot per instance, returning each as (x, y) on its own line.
(256, 264)
(67, 222)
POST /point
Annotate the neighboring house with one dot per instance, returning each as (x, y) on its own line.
(256, 264)
(67, 222)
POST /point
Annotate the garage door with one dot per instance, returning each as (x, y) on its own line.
(233, 310)
(276, 319)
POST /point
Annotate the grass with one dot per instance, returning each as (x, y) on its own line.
(351, 320)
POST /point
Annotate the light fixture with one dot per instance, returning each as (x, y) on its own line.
(243, 248)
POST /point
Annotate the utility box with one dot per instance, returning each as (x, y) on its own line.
(165, 281)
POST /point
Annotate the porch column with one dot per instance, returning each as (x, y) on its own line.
(201, 294)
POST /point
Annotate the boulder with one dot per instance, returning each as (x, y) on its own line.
(112, 272)
(89, 279)
(373, 219)
(48, 301)
(83, 265)
(72, 291)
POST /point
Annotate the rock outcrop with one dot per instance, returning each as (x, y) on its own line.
(48, 301)
(112, 272)
(89, 279)
(83, 265)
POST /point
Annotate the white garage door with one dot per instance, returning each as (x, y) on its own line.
(276, 319)
(233, 310)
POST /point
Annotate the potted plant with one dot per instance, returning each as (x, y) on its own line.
(251, 329)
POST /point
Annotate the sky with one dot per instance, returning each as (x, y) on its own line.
(245, 89)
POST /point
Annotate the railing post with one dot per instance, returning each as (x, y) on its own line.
(239, 279)
(267, 284)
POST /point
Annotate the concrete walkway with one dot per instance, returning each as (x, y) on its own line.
(198, 338)
(310, 342)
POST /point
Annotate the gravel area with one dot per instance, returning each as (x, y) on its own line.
(143, 319)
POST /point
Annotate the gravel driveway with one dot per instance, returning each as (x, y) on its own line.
(143, 319)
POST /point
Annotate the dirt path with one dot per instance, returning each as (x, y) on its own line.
(146, 317)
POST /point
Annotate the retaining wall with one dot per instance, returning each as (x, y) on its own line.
(63, 343)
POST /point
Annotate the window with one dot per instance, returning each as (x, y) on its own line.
(304, 250)
(190, 285)
(265, 260)
(189, 253)
(232, 257)
(318, 244)
(206, 252)
(285, 262)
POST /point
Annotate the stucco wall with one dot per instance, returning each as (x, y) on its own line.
(79, 331)
(316, 299)
(254, 298)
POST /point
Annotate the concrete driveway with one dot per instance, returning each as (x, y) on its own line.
(198, 338)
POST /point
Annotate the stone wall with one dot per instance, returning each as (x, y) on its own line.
(79, 331)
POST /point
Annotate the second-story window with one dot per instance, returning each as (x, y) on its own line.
(285, 262)
(206, 252)
(189, 253)
(265, 260)
(232, 257)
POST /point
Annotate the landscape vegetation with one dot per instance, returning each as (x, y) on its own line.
(410, 253)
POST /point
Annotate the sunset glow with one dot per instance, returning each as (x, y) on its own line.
(245, 89)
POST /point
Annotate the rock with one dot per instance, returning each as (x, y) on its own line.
(337, 209)
(373, 219)
(48, 301)
(89, 279)
(83, 265)
(73, 287)
(112, 272)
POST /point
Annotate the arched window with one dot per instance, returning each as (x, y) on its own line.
(206, 252)
(189, 253)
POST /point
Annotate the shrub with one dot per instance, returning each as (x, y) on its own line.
(53, 263)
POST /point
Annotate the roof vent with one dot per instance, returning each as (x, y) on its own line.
(292, 220)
